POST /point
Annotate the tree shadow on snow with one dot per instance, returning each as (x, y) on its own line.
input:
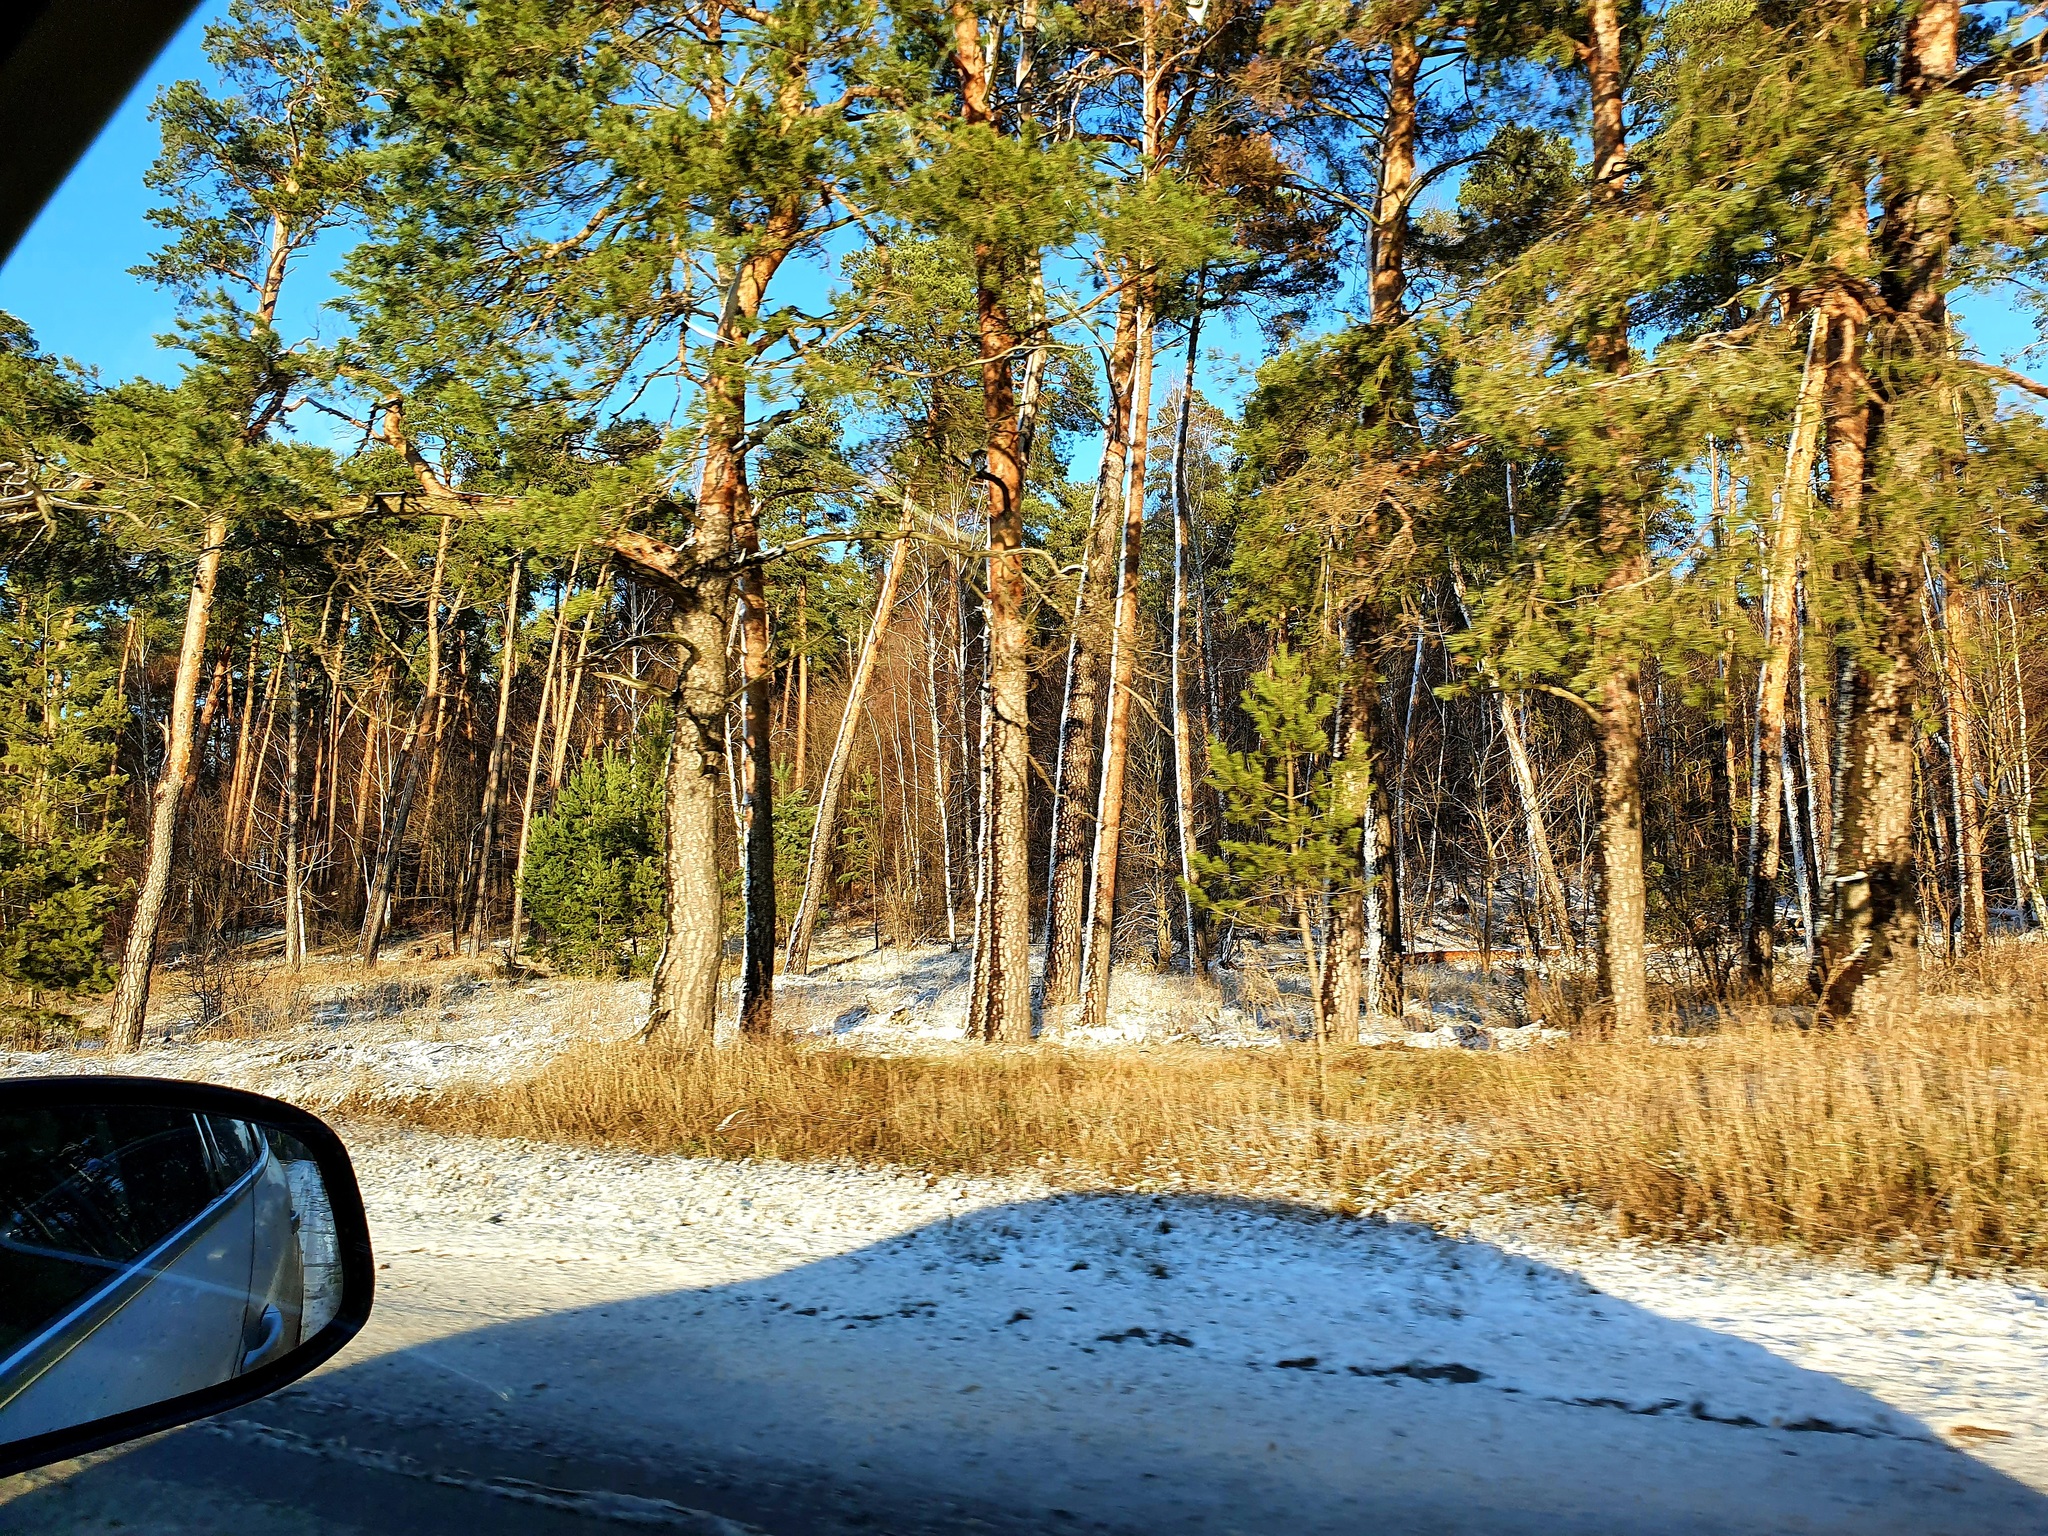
(1128, 1363)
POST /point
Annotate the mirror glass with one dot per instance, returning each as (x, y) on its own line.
(147, 1252)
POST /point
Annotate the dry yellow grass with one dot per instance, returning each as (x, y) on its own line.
(1925, 1139)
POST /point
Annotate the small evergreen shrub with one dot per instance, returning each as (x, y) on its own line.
(593, 864)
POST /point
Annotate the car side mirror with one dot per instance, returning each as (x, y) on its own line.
(168, 1250)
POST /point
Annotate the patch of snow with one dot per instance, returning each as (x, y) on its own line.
(381, 1037)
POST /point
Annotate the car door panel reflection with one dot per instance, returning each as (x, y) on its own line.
(147, 1254)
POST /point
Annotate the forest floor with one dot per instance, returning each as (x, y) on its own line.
(425, 1020)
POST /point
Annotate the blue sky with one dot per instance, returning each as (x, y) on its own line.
(69, 277)
(69, 280)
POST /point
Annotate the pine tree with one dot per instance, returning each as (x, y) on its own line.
(250, 179)
(1292, 814)
(593, 863)
(60, 805)
(630, 211)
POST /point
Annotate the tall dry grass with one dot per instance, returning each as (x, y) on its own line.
(1925, 1139)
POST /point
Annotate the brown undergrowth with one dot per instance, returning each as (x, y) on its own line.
(1923, 1138)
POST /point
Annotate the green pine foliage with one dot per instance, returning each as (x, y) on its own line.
(60, 808)
(795, 816)
(593, 866)
(1291, 809)
(586, 255)
(860, 833)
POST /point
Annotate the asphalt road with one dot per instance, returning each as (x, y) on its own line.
(306, 1466)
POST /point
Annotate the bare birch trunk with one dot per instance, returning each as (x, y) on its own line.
(391, 839)
(294, 895)
(1549, 886)
(1963, 767)
(2023, 800)
(241, 726)
(941, 766)
(244, 836)
(1815, 762)
(1342, 983)
(1781, 590)
(494, 769)
(378, 694)
(796, 959)
(567, 699)
(798, 777)
(548, 688)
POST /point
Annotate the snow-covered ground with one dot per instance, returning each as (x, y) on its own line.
(399, 1031)
(414, 1026)
(1063, 1361)
(916, 999)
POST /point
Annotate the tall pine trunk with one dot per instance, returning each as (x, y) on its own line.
(1397, 182)
(1190, 714)
(684, 1001)
(683, 1005)
(131, 993)
(1617, 709)
(1003, 985)
(756, 775)
(1100, 934)
(1869, 956)
(1869, 964)
(1357, 969)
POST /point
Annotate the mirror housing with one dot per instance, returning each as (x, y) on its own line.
(168, 1251)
